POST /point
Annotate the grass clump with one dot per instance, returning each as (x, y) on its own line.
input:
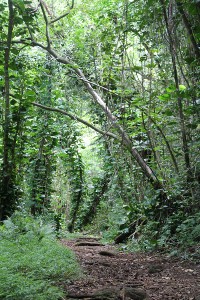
(33, 262)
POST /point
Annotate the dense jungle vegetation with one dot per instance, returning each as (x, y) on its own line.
(100, 119)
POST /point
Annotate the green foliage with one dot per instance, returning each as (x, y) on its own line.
(179, 235)
(109, 220)
(32, 261)
(121, 47)
(22, 223)
(188, 232)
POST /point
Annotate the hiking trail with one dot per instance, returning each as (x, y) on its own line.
(111, 274)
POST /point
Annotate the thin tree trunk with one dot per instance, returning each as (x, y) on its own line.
(179, 99)
(125, 139)
(189, 29)
(97, 197)
(6, 199)
(167, 144)
(77, 198)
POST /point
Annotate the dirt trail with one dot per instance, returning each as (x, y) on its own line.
(112, 275)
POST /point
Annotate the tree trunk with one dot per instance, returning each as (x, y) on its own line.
(179, 99)
(77, 198)
(7, 201)
(189, 29)
(97, 197)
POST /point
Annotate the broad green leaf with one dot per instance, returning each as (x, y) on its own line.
(164, 97)
(182, 87)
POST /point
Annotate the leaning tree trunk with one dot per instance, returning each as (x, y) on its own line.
(124, 137)
(126, 141)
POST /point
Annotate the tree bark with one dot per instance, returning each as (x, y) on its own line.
(77, 198)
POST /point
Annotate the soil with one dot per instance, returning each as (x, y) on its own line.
(112, 274)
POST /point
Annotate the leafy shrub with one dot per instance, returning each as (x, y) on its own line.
(21, 223)
(188, 232)
(179, 235)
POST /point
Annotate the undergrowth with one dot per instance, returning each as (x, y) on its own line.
(175, 237)
(178, 235)
(33, 262)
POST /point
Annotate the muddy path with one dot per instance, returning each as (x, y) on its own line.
(111, 274)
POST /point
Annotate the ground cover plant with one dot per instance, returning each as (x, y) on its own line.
(33, 262)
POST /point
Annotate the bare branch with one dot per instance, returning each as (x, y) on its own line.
(46, 22)
(34, 43)
(33, 10)
(57, 19)
(46, 8)
(64, 15)
(71, 116)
